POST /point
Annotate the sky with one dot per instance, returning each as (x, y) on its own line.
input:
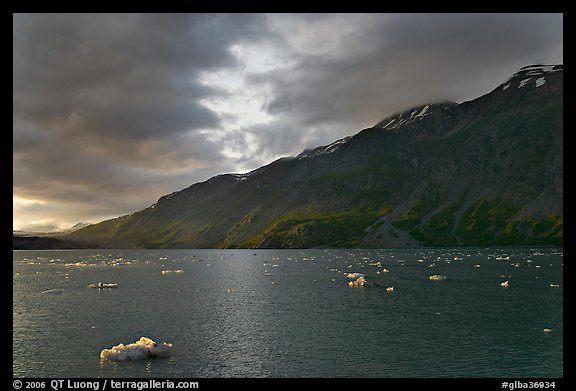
(113, 111)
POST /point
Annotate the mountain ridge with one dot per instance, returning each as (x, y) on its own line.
(483, 172)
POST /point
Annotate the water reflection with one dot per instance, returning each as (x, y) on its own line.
(291, 312)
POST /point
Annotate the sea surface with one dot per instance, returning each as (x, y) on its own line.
(291, 313)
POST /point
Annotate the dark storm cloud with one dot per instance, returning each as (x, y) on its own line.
(109, 110)
(126, 76)
(392, 62)
(110, 106)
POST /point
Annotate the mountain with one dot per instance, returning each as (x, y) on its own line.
(76, 227)
(48, 230)
(31, 242)
(484, 172)
(49, 237)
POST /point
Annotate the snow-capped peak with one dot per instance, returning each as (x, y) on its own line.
(537, 70)
(531, 74)
(326, 149)
(411, 115)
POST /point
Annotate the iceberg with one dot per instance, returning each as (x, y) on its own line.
(360, 281)
(102, 285)
(55, 290)
(143, 348)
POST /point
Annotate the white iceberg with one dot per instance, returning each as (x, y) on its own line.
(55, 290)
(172, 271)
(102, 285)
(360, 281)
(143, 348)
(437, 277)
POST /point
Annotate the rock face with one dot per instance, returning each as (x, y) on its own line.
(484, 172)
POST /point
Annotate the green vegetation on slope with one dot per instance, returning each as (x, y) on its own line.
(300, 230)
(486, 222)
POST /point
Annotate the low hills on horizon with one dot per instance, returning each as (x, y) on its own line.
(484, 172)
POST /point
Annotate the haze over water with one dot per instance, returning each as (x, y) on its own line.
(291, 313)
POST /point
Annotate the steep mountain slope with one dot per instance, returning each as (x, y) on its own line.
(484, 172)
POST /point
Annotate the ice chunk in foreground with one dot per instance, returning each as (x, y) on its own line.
(360, 281)
(143, 348)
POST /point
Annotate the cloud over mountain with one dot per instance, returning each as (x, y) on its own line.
(112, 110)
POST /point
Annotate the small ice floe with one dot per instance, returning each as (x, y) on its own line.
(78, 264)
(172, 271)
(503, 258)
(103, 285)
(385, 270)
(51, 291)
(360, 281)
(437, 277)
(505, 284)
(378, 264)
(390, 289)
(143, 348)
(554, 285)
(547, 330)
(355, 275)
(477, 266)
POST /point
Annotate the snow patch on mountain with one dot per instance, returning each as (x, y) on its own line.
(423, 112)
(524, 82)
(241, 177)
(326, 149)
(411, 115)
(526, 74)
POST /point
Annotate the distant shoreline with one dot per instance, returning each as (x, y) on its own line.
(30, 242)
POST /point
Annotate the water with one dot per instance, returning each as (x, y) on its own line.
(291, 313)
